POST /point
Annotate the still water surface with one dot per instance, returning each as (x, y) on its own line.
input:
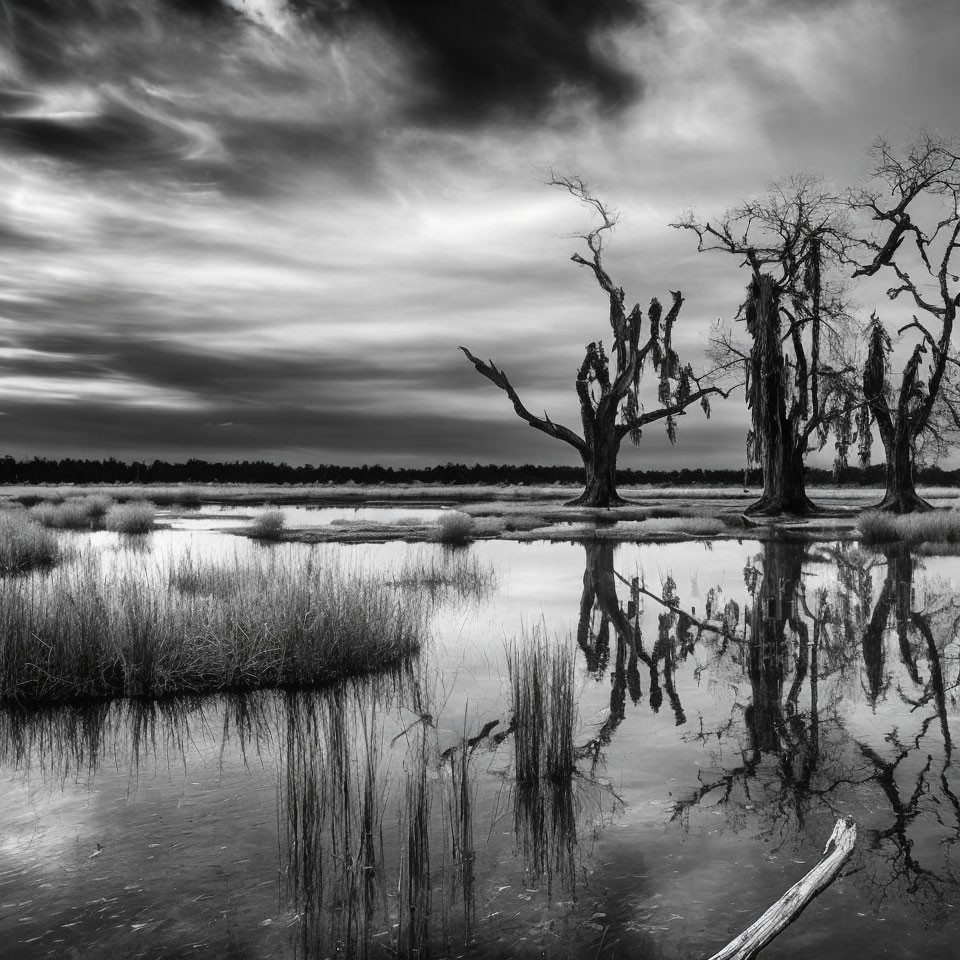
(393, 814)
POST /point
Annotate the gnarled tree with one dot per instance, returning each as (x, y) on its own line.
(912, 198)
(608, 388)
(798, 384)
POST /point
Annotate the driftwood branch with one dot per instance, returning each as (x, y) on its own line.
(759, 934)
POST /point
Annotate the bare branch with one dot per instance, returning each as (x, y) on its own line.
(498, 377)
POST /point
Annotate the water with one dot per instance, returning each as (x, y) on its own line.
(394, 813)
(212, 516)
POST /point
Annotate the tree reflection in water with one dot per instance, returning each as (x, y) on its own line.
(793, 665)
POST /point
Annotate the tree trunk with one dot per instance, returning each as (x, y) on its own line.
(776, 431)
(784, 490)
(600, 462)
(901, 495)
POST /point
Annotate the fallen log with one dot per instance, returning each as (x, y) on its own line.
(792, 903)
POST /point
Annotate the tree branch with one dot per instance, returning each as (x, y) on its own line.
(546, 425)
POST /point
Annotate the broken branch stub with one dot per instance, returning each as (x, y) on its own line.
(760, 933)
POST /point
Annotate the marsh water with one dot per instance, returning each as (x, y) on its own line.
(730, 700)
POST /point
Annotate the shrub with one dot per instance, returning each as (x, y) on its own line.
(455, 527)
(25, 544)
(137, 516)
(268, 525)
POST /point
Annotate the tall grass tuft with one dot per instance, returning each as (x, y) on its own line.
(455, 527)
(137, 516)
(544, 708)
(268, 525)
(935, 526)
(91, 631)
(24, 544)
(544, 719)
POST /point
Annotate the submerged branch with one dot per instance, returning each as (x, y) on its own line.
(760, 933)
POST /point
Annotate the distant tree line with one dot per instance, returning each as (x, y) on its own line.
(68, 470)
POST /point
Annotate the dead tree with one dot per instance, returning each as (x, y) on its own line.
(895, 417)
(798, 383)
(608, 387)
(912, 198)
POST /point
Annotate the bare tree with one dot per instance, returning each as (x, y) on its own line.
(608, 388)
(798, 382)
(912, 198)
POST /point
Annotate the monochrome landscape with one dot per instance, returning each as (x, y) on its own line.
(479, 479)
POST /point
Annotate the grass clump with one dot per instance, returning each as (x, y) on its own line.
(188, 498)
(544, 708)
(24, 544)
(89, 630)
(268, 525)
(455, 527)
(935, 526)
(76, 513)
(137, 516)
(61, 516)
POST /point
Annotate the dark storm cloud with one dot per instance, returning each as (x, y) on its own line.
(308, 432)
(115, 138)
(190, 89)
(185, 91)
(500, 59)
(217, 377)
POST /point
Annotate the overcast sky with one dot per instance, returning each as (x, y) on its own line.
(261, 229)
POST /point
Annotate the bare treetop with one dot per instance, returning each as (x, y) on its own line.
(927, 167)
(608, 387)
(778, 228)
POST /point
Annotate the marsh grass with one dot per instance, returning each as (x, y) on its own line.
(268, 525)
(74, 513)
(935, 526)
(193, 576)
(24, 544)
(85, 630)
(334, 800)
(415, 878)
(446, 573)
(541, 677)
(460, 803)
(545, 810)
(136, 516)
(455, 527)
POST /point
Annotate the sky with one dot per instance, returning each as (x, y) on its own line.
(259, 229)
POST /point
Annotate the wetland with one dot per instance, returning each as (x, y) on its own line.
(605, 745)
